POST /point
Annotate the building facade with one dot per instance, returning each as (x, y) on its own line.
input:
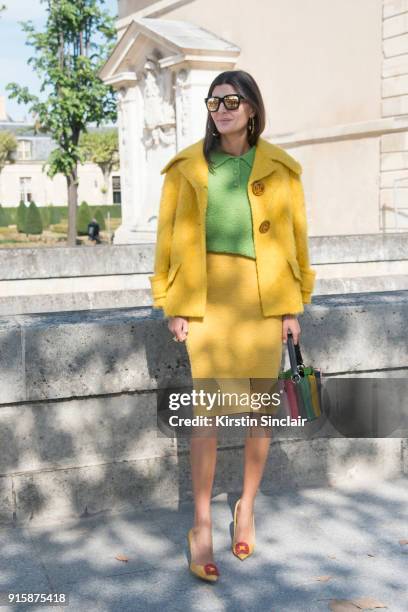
(26, 179)
(333, 77)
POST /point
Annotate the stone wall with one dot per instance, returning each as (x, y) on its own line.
(78, 428)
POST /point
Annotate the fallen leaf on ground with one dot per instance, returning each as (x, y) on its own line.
(368, 602)
(322, 578)
(342, 605)
(121, 558)
(351, 605)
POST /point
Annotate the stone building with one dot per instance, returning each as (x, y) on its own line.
(27, 180)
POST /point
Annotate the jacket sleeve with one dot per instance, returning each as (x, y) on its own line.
(167, 212)
(308, 275)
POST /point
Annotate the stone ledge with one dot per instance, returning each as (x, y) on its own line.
(59, 262)
(130, 349)
(98, 352)
(334, 133)
(74, 262)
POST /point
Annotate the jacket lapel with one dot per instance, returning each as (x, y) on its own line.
(193, 165)
(264, 163)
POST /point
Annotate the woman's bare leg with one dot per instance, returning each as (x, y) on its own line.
(203, 456)
(257, 446)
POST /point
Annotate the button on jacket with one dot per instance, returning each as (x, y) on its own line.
(228, 215)
(275, 193)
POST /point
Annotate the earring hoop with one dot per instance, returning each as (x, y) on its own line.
(251, 125)
(214, 133)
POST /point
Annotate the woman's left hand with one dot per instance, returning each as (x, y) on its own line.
(290, 321)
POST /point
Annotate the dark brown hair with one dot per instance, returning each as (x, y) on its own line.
(245, 85)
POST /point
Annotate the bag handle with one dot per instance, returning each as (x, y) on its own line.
(295, 357)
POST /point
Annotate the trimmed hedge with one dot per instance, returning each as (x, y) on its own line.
(84, 216)
(98, 214)
(33, 223)
(57, 214)
(4, 217)
(21, 217)
(45, 216)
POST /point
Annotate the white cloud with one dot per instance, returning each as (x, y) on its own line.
(23, 10)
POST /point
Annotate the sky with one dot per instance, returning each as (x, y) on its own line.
(14, 53)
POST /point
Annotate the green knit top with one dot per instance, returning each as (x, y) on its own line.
(228, 216)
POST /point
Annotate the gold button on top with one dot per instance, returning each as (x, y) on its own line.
(258, 187)
(265, 225)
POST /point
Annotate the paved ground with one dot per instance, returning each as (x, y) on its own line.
(300, 535)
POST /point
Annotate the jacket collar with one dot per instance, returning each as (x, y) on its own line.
(268, 157)
(219, 157)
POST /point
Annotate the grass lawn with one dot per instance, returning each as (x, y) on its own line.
(55, 235)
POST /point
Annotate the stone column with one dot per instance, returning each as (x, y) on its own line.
(159, 142)
(147, 139)
(132, 159)
(191, 87)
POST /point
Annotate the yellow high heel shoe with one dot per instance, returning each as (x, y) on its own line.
(208, 572)
(242, 550)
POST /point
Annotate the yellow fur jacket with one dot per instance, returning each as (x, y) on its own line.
(276, 197)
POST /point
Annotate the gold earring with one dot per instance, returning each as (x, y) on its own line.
(210, 128)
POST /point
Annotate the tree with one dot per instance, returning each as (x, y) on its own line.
(102, 148)
(78, 37)
(8, 146)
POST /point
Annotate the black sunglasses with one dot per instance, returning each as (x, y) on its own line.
(231, 102)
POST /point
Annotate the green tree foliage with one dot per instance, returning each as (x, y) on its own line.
(102, 148)
(21, 217)
(83, 218)
(4, 217)
(33, 223)
(78, 37)
(8, 146)
(100, 218)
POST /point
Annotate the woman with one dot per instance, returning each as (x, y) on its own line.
(231, 273)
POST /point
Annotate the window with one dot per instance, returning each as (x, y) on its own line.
(117, 197)
(25, 189)
(24, 149)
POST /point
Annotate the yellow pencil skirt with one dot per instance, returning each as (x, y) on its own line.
(235, 351)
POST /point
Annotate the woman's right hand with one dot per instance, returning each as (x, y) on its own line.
(178, 327)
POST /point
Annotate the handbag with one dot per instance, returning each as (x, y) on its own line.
(301, 386)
